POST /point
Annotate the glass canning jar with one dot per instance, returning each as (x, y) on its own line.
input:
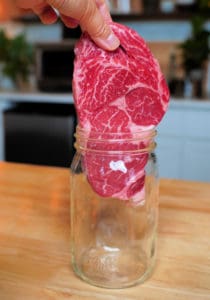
(114, 207)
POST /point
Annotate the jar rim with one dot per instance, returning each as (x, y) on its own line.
(149, 131)
(92, 141)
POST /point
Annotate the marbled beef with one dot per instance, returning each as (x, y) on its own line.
(118, 92)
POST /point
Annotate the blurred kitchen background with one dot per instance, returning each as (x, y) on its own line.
(37, 116)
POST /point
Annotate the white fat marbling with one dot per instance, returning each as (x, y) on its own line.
(118, 166)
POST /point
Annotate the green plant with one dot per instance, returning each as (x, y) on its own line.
(16, 54)
(204, 4)
(3, 46)
(195, 50)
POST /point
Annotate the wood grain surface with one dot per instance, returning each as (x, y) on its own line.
(35, 230)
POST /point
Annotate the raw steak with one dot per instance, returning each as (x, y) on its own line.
(120, 92)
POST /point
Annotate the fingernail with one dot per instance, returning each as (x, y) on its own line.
(111, 43)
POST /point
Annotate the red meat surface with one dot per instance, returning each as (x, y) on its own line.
(118, 92)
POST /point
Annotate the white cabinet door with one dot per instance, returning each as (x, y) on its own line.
(196, 165)
(172, 123)
(170, 143)
(184, 142)
(198, 124)
(169, 153)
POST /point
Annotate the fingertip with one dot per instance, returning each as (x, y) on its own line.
(111, 43)
(69, 22)
(48, 16)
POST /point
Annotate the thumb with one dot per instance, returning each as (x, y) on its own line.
(94, 22)
(90, 19)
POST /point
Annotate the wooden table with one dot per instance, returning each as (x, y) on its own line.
(34, 240)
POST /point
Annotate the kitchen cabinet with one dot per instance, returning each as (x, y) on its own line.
(184, 141)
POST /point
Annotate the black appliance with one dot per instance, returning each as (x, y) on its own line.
(54, 65)
(40, 134)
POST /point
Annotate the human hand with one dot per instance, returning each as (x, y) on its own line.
(91, 15)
